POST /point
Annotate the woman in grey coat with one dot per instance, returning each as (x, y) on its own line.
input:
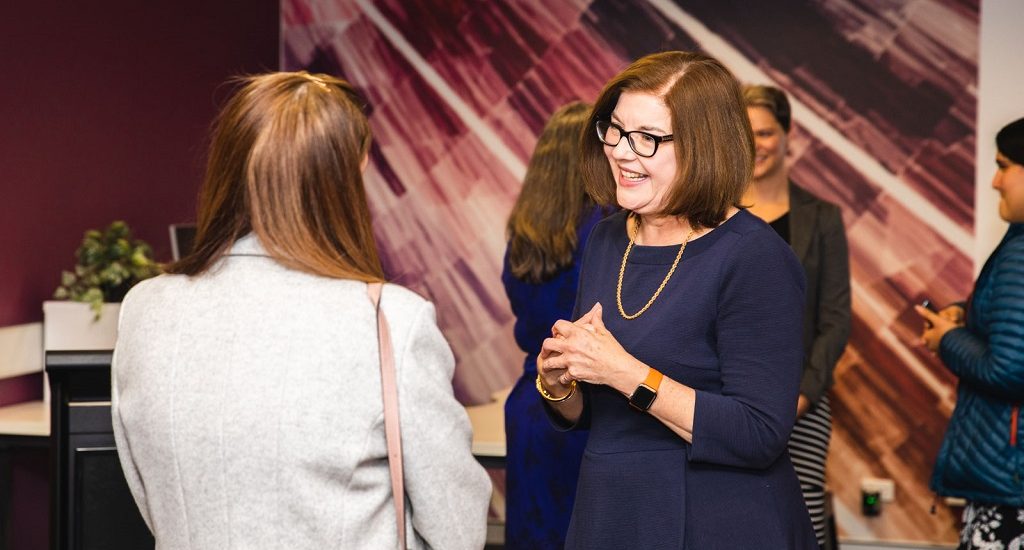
(246, 383)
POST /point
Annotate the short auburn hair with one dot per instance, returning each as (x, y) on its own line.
(713, 143)
(285, 164)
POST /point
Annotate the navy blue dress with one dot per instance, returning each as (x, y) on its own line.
(727, 324)
(542, 463)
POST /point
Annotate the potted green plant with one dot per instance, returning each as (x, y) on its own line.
(109, 263)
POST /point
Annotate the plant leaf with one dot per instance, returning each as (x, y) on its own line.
(108, 263)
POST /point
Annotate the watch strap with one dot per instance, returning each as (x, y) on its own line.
(653, 379)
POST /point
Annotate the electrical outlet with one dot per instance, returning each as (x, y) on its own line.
(885, 488)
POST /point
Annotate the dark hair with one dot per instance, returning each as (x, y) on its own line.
(771, 98)
(1010, 141)
(285, 164)
(542, 228)
(713, 143)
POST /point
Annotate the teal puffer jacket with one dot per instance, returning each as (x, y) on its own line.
(982, 455)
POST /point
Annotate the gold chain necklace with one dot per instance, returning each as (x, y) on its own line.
(622, 271)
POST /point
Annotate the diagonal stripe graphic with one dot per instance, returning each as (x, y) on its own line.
(864, 163)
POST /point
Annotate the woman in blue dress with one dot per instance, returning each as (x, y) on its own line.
(814, 229)
(982, 343)
(547, 229)
(686, 363)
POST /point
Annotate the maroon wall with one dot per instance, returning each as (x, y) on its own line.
(104, 113)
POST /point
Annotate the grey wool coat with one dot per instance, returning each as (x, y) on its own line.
(247, 412)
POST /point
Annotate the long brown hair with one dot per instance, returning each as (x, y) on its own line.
(713, 143)
(542, 226)
(286, 164)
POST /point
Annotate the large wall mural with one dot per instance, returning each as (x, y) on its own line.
(884, 111)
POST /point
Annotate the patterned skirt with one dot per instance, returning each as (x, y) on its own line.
(808, 449)
(992, 527)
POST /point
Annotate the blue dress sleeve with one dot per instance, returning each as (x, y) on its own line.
(758, 331)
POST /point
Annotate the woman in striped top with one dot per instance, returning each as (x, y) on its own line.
(814, 229)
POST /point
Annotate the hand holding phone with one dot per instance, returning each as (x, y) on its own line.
(927, 304)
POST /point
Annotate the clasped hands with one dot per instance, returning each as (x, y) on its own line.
(937, 324)
(585, 351)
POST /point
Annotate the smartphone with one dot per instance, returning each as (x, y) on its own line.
(927, 304)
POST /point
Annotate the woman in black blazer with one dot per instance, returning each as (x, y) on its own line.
(814, 229)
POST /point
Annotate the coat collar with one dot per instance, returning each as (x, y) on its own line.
(803, 216)
(247, 245)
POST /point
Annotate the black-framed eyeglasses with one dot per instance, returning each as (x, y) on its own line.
(642, 143)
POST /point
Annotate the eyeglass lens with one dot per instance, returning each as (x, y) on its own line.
(641, 143)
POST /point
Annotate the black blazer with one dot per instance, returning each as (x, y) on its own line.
(818, 238)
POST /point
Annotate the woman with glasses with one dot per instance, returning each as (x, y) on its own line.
(814, 229)
(685, 357)
(547, 231)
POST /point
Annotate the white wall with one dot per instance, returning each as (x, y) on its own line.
(1000, 100)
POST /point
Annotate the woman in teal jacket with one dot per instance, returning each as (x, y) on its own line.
(982, 455)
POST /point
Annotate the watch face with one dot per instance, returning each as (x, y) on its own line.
(643, 397)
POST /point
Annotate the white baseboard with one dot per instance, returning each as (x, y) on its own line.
(872, 545)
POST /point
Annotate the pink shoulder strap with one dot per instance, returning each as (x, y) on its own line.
(392, 428)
